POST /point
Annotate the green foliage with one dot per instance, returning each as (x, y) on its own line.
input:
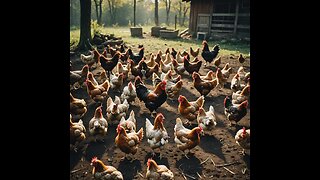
(96, 28)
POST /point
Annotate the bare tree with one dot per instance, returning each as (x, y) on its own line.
(85, 25)
(168, 7)
(185, 9)
(112, 10)
(156, 14)
(98, 4)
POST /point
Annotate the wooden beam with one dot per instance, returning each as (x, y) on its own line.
(236, 18)
(231, 14)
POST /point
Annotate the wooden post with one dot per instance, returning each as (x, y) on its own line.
(175, 22)
(134, 13)
(236, 18)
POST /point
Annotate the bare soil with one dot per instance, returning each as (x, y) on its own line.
(218, 144)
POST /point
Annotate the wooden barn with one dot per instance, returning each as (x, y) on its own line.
(213, 17)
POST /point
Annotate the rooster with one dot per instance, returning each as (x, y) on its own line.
(98, 125)
(128, 142)
(208, 55)
(157, 134)
(234, 112)
(242, 138)
(103, 172)
(155, 171)
(152, 99)
(186, 139)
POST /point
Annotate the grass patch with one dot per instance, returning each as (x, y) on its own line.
(153, 44)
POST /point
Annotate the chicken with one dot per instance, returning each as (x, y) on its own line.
(98, 93)
(136, 57)
(151, 61)
(102, 77)
(209, 76)
(149, 70)
(168, 77)
(78, 107)
(242, 138)
(208, 55)
(92, 79)
(77, 135)
(157, 134)
(207, 120)
(152, 99)
(116, 81)
(241, 73)
(130, 124)
(124, 56)
(235, 82)
(202, 86)
(240, 96)
(186, 139)
(129, 93)
(173, 89)
(158, 58)
(173, 53)
(98, 125)
(221, 79)
(234, 112)
(128, 142)
(178, 67)
(109, 63)
(91, 58)
(137, 70)
(194, 53)
(120, 68)
(77, 78)
(217, 61)
(111, 50)
(155, 171)
(116, 110)
(191, 67)
(241, 59)
(103, 172)
(167, 60)
(190, 110)
(166, 67)
(155, 79)
(226, 71)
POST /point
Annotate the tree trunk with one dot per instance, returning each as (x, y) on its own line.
(168, 7)
(134, 13)
(71, 13)
(112, 12)
(85, 25)
(100, 13)
(156, 15)
(184, 14)
(180, 13)
(97, 9)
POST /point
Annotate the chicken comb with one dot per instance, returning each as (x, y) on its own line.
(164, 82)
(201, 129)
(243, 131)
(148, 163)
(94, 159)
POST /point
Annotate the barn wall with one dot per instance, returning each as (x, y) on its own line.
(199, 6)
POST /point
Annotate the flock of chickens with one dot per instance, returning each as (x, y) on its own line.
(116, 67)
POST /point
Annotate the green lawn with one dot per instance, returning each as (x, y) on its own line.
(153, 44)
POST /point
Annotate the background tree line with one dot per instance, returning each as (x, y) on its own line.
(120, 12)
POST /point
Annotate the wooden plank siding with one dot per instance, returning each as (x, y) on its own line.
(227, 16)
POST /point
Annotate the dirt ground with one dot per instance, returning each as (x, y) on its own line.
(218, 144)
